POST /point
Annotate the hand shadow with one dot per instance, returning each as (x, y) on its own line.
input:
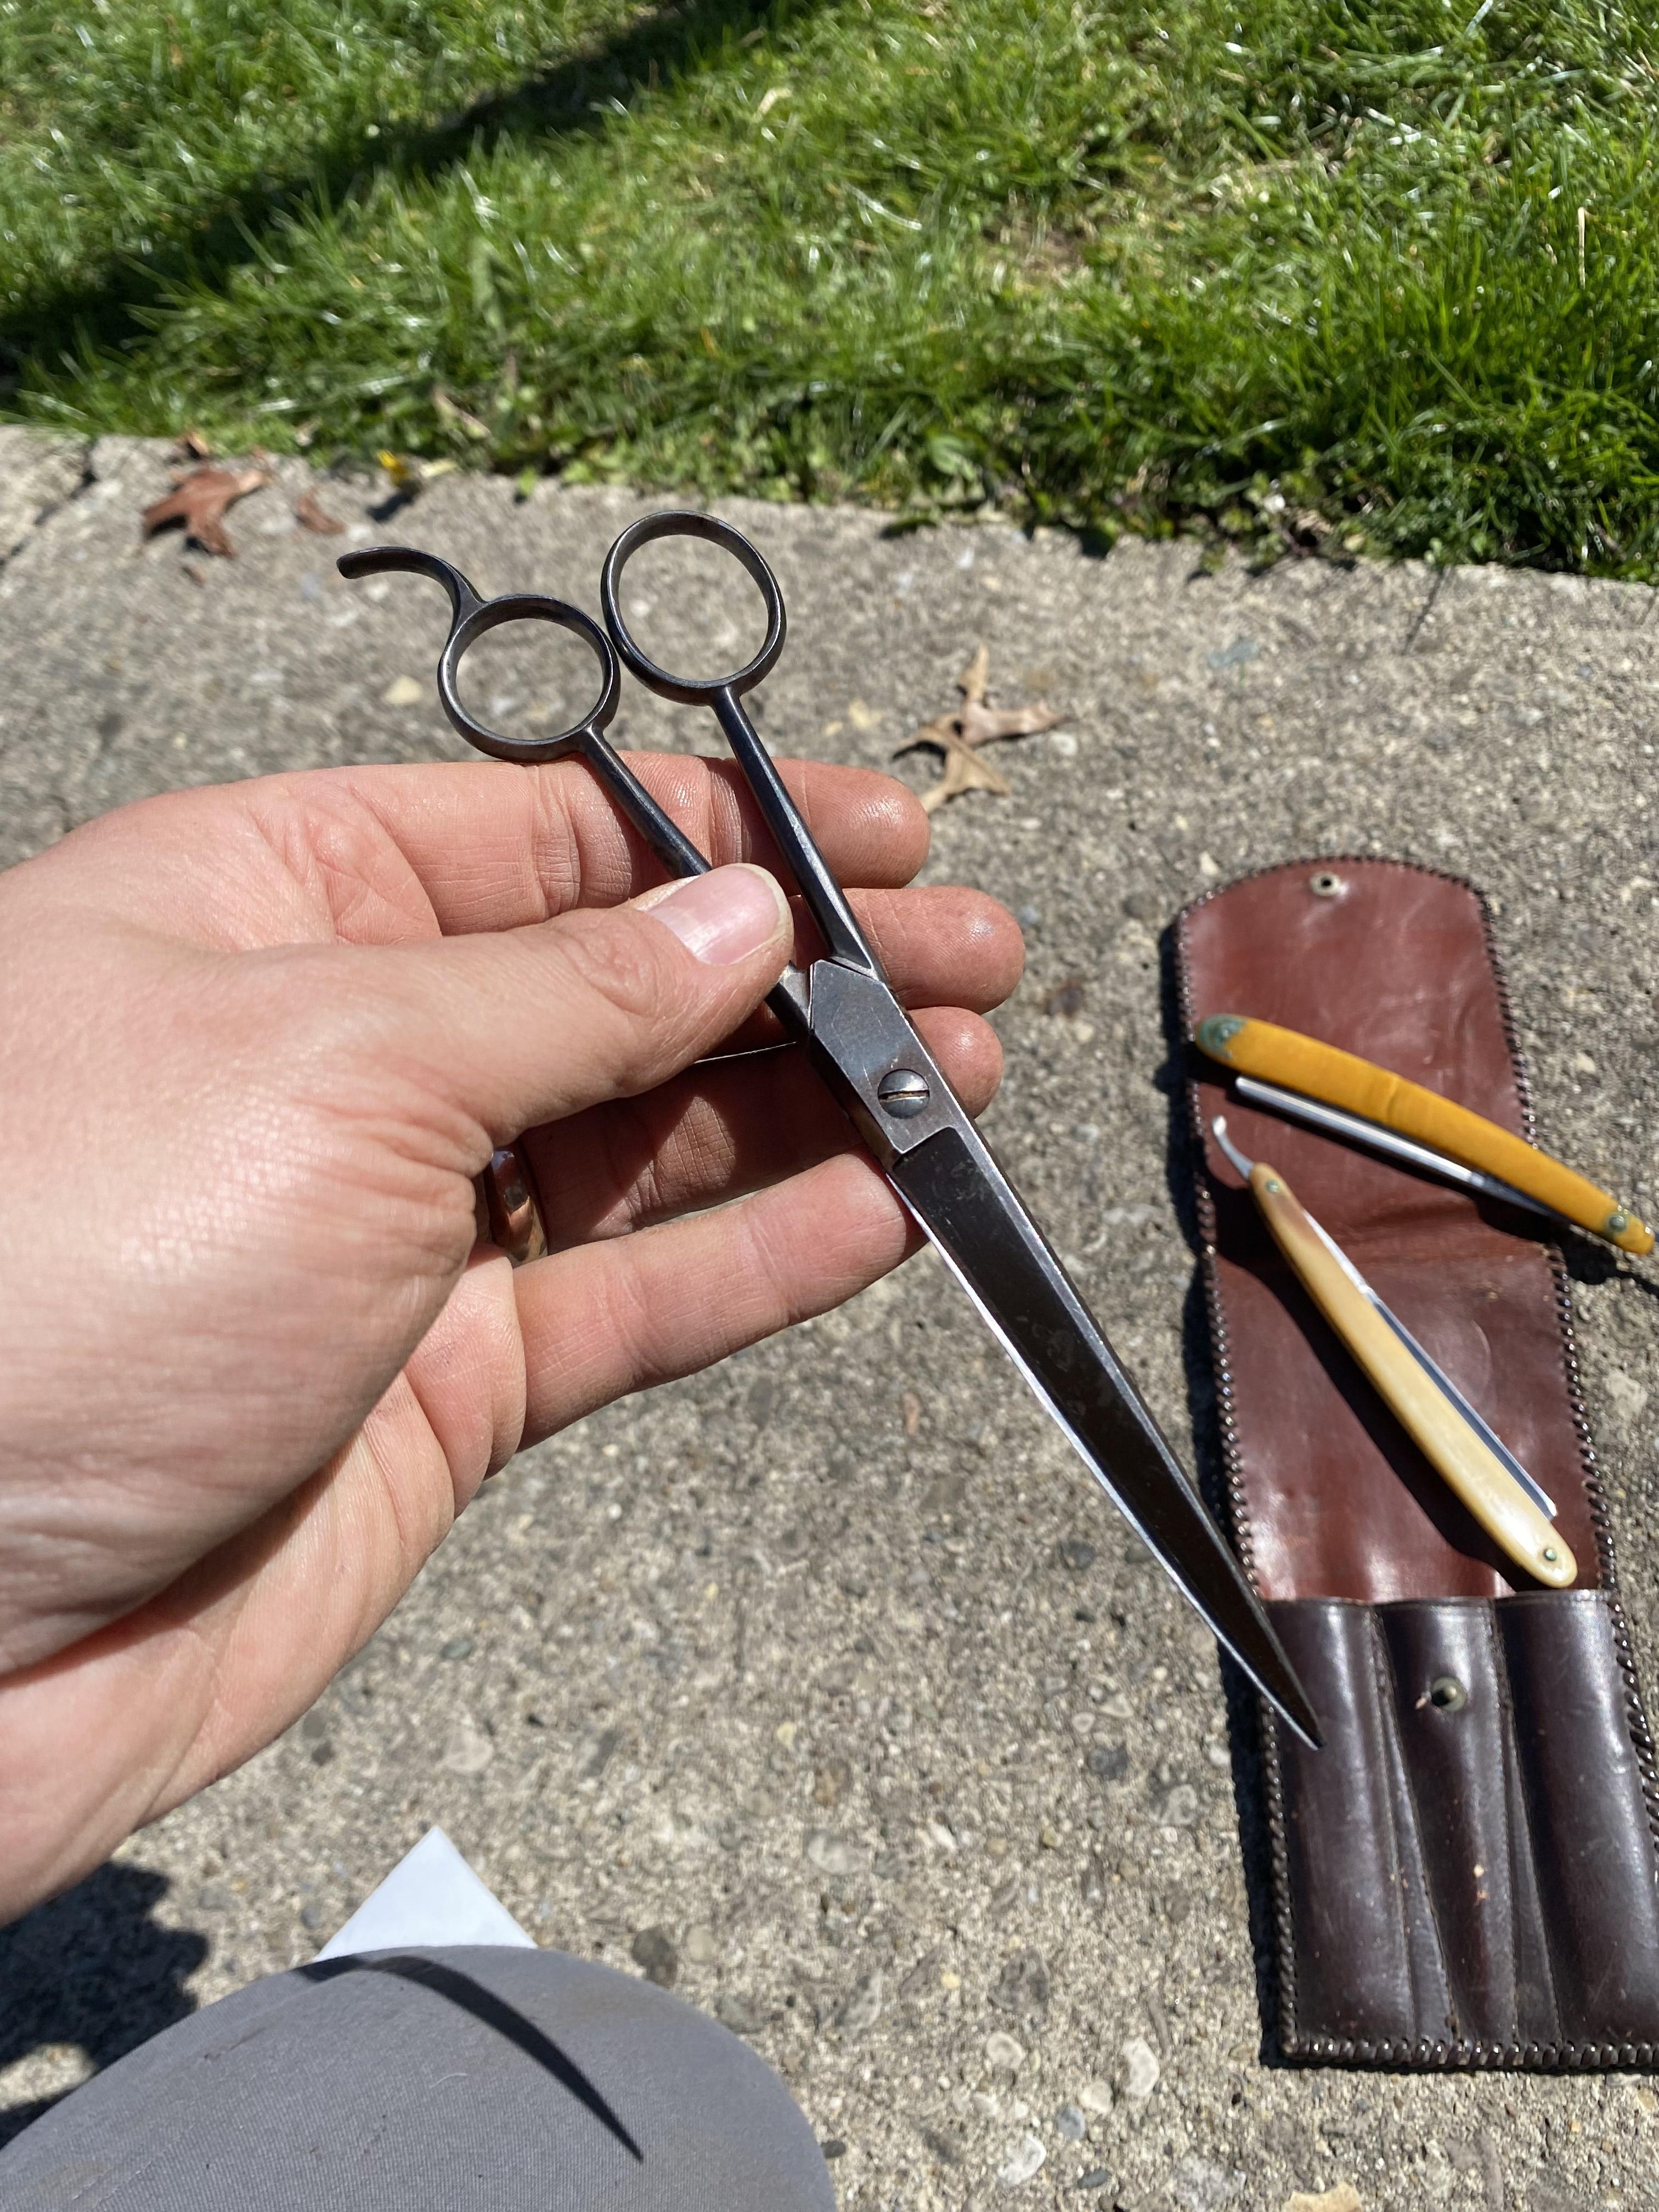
(93, 1969)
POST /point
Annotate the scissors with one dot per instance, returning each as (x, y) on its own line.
(843, 1009)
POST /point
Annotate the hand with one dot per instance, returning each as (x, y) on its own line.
(255, 1043)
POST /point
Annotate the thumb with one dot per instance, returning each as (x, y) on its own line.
(528, 1025)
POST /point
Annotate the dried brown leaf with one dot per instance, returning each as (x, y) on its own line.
(958, 736)
(973, 679)
(985, 726)
(193, 446)
(199, 500)
(940, 734)
(311, 516)
(964, 771)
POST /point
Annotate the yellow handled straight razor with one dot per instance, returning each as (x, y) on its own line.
(1384, 1103)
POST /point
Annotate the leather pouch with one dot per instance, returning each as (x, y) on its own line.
(1468, 1874)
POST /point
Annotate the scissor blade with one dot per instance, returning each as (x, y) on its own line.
(1438, 1374)
(956, 1190)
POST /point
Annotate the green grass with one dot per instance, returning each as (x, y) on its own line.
(1309, 271)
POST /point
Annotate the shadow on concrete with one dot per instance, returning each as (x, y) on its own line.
(1588, 1260)
(93, 1969)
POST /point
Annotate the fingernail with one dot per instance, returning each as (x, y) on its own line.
(724, 916)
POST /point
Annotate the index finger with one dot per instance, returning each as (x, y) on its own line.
(495, 846)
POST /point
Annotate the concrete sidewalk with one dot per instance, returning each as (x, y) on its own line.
(781, 1681)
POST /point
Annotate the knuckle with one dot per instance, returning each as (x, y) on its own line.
(562, 867)
(625, 966)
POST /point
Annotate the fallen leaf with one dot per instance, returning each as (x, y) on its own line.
(983, 724)
(199, 500)
(193, 446)
(310, 516)
(963, 771)
(958, 736)
(1345, 2198)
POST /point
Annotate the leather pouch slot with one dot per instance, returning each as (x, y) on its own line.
(1468, 1873)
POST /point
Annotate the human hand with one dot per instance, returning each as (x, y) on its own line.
(255, 1043)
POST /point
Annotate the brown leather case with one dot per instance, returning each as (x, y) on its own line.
(1468, 1874)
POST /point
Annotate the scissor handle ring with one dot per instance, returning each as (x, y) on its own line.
(688, 523)
(527, 606)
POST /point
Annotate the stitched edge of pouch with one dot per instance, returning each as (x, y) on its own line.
(1421, 2054)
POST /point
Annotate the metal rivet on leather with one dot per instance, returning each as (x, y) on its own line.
(1551, 1967)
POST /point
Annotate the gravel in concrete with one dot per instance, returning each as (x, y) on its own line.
(821, 1686)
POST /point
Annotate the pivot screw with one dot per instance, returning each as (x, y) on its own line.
(903, 1093)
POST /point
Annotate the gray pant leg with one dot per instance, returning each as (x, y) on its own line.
(430, 2081)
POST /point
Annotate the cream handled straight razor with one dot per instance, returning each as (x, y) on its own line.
(1477, 1466)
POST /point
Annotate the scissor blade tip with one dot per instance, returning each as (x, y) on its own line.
(1268, 1665)
(1293, 1704)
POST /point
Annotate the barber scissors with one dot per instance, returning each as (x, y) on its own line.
(843, 1009)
